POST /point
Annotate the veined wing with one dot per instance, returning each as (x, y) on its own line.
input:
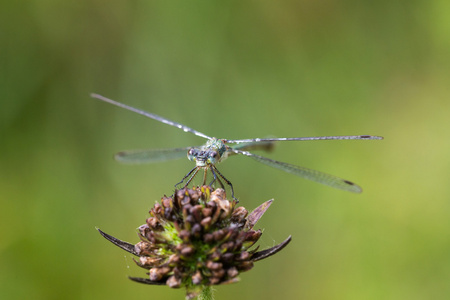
(311, 138)
(251, 146)
(306, 173)
(150, 155)
(150, 115)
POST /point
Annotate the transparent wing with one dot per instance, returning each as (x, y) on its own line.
(306, 173)
(251, 146)
(311, 138)
(150, 155)
(150, 115)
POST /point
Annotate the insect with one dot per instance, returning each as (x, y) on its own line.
(215, 150)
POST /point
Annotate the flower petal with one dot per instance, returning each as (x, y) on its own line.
(255, 215)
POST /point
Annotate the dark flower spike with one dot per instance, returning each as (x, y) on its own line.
(271, 251)
(197, 238)
(121, 244)
(147, 281)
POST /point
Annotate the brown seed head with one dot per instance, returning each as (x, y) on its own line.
(197, 237)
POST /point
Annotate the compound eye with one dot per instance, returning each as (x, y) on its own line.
(214, 154)
(213, 157)
(192, 154)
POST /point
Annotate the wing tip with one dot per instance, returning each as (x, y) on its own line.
(353, 187)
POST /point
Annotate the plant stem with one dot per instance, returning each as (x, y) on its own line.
(206, 294)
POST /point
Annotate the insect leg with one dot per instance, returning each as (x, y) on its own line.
(228, 182)
(213, 173)
(215, 177)
(205, 170)
(192, 177)
(221, 184)
(187, 175)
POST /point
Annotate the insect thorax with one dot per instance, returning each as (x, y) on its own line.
(211, 153)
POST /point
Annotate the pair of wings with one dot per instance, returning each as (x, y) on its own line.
(241, 147)
(159, 155)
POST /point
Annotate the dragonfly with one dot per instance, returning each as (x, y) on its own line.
(216, 150)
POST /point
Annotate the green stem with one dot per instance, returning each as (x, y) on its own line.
(206, 293)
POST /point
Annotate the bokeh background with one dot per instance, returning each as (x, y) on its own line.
(231, 69)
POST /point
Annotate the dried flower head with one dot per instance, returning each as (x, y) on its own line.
(197, 238)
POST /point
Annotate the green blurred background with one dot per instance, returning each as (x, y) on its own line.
(232, 69)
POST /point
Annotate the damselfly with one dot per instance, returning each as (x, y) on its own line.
(215, 150)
